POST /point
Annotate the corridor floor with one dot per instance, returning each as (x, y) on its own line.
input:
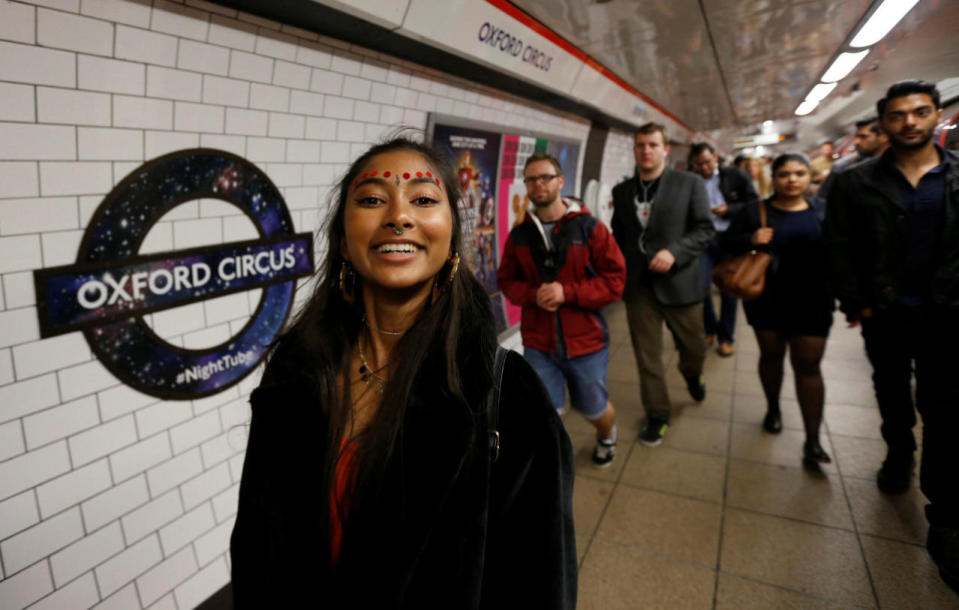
(722, 514)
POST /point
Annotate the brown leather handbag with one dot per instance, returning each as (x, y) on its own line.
(744, 276)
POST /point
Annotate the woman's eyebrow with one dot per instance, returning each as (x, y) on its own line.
(382, 181)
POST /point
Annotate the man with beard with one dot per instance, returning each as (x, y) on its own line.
(661, 220)
(869, 141)
(562, 265)
(893, 228)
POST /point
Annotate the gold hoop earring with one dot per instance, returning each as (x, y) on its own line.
(438, 290)
(348, 283)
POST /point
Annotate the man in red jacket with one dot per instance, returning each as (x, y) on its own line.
(562, 265)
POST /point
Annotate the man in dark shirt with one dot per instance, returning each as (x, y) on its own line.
(893, 228)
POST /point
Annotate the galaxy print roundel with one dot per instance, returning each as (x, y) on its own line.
(111, 286)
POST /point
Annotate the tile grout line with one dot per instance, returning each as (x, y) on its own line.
(722, 511)
(855, 525)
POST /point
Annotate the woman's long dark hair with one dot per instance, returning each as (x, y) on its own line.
(454, 335)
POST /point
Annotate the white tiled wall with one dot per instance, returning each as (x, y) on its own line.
(109, 497)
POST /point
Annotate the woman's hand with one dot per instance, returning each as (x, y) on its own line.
(762, 236)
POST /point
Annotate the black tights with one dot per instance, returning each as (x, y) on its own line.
(805, 354)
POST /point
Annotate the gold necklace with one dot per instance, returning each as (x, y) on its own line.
(368, 375)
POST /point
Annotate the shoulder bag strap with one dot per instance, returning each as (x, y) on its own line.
(492, 402)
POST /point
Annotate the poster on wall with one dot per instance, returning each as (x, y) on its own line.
(111, 287)
(474, 155)
(491, 207)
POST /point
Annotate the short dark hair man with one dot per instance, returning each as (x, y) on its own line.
(662, 222)
(562, 265)
(870, 141)
(729, 190)
(893, 229)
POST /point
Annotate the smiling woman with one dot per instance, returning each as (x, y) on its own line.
(379, 389)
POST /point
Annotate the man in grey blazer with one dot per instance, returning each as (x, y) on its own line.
(662, 223)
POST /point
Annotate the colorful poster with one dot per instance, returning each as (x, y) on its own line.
(475, 155)
(513, 201)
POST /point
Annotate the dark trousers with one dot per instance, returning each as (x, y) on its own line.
(903, 340)
(725, 326)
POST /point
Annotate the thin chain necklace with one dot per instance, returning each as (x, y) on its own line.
(367, 374)
(391, 333)
(646, 187)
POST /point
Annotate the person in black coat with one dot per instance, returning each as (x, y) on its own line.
(795, 308)
(369, 479)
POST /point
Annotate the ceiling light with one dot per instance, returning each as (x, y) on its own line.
(889, 13)
(820, 91)
(843, 66)
(806, 107)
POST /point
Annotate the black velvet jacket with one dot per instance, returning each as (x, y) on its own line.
(450, 529)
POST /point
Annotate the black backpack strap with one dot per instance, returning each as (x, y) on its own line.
(492, 403)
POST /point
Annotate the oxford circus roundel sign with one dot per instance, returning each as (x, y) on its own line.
(111, 287)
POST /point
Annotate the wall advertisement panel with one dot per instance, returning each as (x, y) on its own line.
(489, 163)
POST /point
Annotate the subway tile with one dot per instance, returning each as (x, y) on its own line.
(150, 517)
(179, 20)
(18, 101)
(81, 593)
(159, 143)
(324, 81)
(233, 144)
(246, 122)
(18, 216)
(174, 472)
(320, 129)
(129, 12)
(302, 102)
(61, 421)
(74, 33)
(276, 44)
(120, 400)
(339, 107)
(206, 485)
(198, 117)
(50, 354)
(203, 584)
(287, 125)
(225, 91)
(206, 58)
(21, 590)
(84, 379)
(11, 440)
(213, 543)
(142, 112)
(174, 84)
(18, 513)
(23, 142)
(145, 46)
(291, 75)
(18, 326)
(162, 416)
(266, 149)
(164, 577)
(85, 554)
(102, 440)
(19, 178)
(140, 457)
(122, 600)
(225, 503)
(185, 529)
(114, 502)
(268, 97)
(232, 33)
(248, 66)
(116, 572)
(39, 541)
(108, 144)
(75, 178)
(37, 65)
(72, 488)
(60, 248)
(111, 75)
(17, 22)
(25, 397)
(314, 54)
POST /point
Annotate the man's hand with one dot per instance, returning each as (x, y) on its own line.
(662, 262)
(720, 210)
(864, 313)
(550, 296)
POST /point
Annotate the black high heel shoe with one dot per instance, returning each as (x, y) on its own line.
(813, 454)
(773, 422)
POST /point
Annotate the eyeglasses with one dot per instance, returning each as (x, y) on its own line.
(544, 178)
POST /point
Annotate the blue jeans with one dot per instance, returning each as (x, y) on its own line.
(585, 376)
(725, 327)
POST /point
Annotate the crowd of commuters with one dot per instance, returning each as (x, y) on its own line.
(389, 380)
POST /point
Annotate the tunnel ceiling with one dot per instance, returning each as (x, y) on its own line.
(715, 64)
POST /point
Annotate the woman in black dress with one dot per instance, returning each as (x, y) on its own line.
(369, 479)
(795, 309)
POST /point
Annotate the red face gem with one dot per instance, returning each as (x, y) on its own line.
(386, 174)
(406, 175)
(437, 181)
(356, 184)
(429, 174)
(366, 174)
(373, 174)
(419, 174)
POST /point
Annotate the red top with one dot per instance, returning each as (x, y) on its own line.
(340, 496)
